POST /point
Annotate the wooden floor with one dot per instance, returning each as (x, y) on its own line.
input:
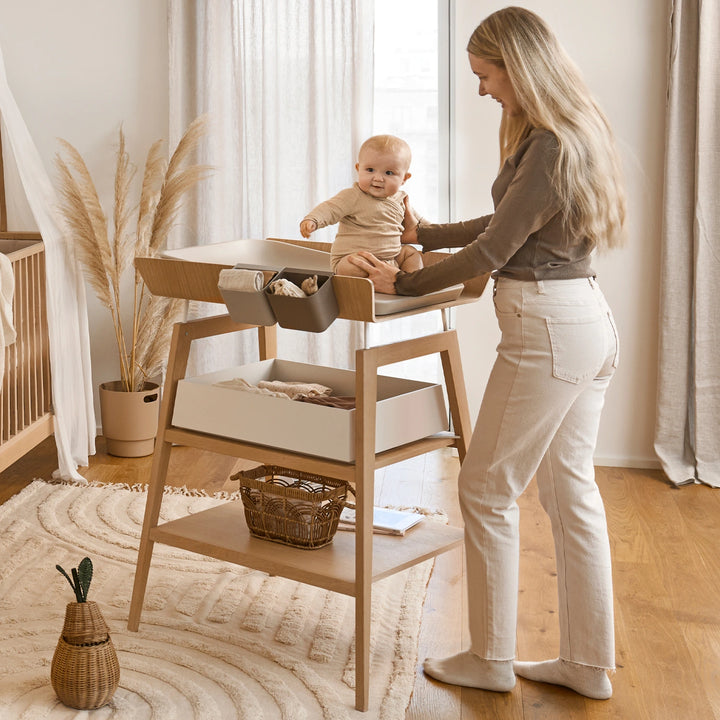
(666, 553)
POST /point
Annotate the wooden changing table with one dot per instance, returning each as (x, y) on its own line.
(222, 533)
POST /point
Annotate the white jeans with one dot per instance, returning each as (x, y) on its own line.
(540, 416)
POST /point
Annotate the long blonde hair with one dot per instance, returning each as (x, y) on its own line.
(553, 96)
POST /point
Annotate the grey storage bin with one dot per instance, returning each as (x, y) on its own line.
(313, 313)
(250, 307)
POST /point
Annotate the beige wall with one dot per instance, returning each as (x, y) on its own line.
(620, 47)
(79, 69)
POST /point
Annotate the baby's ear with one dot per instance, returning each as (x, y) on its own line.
(407, 177)
(357, 167)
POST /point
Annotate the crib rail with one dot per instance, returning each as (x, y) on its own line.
(25, 401)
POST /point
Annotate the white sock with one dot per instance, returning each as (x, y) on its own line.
(589, 681)
(470, 670)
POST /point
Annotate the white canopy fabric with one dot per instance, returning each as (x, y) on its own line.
(72, 392)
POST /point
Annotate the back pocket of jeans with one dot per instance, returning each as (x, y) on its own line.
(578, 347)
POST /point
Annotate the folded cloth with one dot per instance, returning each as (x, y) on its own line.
(277, 388)
(243, 280)
(294, 389)
(283, 286)
(342, 402)
(245, 386)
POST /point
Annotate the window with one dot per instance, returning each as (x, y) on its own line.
(411, 93)
(411, 101)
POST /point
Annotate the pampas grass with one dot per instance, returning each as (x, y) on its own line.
(143, 350)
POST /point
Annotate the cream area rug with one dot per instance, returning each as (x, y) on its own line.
(216, 642)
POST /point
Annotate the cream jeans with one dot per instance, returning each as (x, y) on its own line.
(540, 416)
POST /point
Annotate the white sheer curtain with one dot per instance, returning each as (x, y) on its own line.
(687, 440)
(288, 87)
(72, 395)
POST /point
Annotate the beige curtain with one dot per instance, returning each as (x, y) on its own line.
(687, 432)
(288, 88)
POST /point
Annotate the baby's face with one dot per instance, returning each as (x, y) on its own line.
(381, 173)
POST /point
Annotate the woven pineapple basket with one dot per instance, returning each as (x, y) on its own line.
(291, 507)
(85, 671)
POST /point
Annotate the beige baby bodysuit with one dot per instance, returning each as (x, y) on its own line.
(364, 223)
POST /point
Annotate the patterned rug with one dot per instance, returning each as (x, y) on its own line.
(216, 642)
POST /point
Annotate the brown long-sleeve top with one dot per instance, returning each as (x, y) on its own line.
(525, 238)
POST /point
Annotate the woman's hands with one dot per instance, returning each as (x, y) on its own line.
(381, 273)
(410, 223)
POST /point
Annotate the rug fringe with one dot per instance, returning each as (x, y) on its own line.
(143, 488)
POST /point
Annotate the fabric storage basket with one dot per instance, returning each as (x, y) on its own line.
(291, 507)
(314, 313)
(247, 303)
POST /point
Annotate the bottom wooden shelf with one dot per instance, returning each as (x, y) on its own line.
(222, 533)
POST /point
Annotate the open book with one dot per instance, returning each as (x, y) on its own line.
(391, 522)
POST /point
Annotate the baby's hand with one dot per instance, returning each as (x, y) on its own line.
(307, 228)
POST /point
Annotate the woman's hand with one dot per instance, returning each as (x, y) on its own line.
(381, 273)
(410, 223)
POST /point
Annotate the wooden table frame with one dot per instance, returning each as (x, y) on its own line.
(327, 567)
(222, 533)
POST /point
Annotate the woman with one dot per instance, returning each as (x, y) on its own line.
(558, 196)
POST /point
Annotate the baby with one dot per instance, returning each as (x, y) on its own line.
(370, 213)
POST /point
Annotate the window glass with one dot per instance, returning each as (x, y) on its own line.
(407, 98)
(407, 91)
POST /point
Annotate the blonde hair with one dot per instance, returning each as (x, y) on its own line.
(388, 143)
(553, 95)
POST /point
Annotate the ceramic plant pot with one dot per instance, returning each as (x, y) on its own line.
(85, 671)
(129, 419)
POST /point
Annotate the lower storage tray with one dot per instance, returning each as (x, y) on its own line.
(407, 410)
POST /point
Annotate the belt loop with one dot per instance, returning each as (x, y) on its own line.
(540, 287)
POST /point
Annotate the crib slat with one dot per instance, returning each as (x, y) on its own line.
(25, 405)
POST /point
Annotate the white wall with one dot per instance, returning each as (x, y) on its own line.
(620, 48)
(78, 71)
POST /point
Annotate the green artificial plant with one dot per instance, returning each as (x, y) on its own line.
(82, 575)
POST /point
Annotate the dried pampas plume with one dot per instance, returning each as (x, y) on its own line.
(165, 184)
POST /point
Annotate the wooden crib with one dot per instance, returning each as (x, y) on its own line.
(25, 398)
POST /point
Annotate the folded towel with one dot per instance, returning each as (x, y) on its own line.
(243, 280)
(342, 402)
(245, 386)
(295, 389)
(283, 286)
(277, 388)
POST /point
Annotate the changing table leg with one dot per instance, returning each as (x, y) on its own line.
(267, 342)
(457, 396)
(183, 335)
(161, 459)
(177, 365)
(366, 398)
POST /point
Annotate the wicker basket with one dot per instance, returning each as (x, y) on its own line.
(85, 671)
(291, 507)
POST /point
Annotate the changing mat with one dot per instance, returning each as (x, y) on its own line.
(262, 254)
(276, 255)
(391, 304)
